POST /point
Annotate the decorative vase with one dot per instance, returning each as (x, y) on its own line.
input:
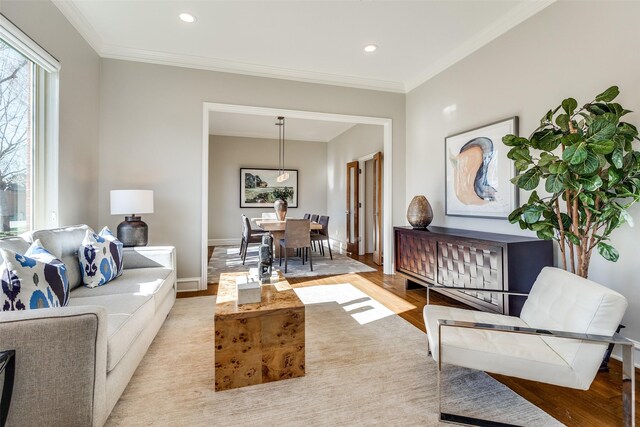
(419, 213)
(280, 207)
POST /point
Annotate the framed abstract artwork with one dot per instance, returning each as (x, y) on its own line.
(478, 172)
(259, 188)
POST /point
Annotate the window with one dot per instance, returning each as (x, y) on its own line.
(28, 133)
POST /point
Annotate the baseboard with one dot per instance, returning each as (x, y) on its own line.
(189, 284)
(223, 242)
(636, 356)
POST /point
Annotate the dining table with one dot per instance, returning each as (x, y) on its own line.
(276, 228)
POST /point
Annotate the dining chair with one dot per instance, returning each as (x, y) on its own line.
(248, 236)
(322, 235)
(560, 338)
(314, 218)
(297, 235)
(306, 216)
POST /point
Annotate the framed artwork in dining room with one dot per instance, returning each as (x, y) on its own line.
(259, 188)
(478, 172)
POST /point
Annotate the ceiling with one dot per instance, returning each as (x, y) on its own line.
(257, 126)
(305, 40)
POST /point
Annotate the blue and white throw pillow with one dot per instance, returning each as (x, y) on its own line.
(100, 260)
(116, 248)
(36, 279)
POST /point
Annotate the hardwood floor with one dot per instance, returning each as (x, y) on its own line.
(601, 405)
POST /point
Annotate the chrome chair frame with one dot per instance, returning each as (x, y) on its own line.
(628, 366)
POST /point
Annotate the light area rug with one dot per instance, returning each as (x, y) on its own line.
(364, 366)
(226, 259)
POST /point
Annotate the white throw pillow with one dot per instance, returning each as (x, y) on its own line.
(36, 279)
(100, 259)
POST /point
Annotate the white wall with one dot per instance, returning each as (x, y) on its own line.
(358, 141)
(79, 86)
(227, 154)
(151, 130)
(556, 54)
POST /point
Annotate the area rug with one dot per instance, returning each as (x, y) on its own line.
(226, 259)
(364, 366)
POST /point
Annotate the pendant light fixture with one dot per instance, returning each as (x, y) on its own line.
(282, 175)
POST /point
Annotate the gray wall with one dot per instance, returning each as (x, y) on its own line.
(227, 154)
(524, 73)
(151, 130)
(357, 142)
(79, 93)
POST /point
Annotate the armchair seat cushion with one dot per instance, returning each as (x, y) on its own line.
(127, 317)
(517, 355)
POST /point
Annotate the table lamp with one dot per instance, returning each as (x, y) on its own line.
(132, 231)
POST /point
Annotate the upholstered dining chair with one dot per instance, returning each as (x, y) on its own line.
(297, 235)
(322, 235)
(307, 216)
(560, 337)
(248, 236)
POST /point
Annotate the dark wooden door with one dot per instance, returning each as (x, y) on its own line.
(353, 220)
(377, 208)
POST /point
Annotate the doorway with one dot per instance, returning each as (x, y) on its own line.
(387, 227)
(368, 215)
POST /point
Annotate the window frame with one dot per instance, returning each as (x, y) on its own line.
(45, 159)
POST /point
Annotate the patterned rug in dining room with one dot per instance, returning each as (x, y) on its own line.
(226, 259)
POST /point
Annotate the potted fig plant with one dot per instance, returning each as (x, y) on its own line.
(591, 173)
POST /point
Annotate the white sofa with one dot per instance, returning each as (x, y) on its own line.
(74, 362)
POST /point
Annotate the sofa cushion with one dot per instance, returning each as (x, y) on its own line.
(35, 279)
(127, 316)
(100, 260)
(15, 244)
(116, 247)
(64, 244)
(156, 282)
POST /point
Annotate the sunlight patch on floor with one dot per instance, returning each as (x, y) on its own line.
(362, 307)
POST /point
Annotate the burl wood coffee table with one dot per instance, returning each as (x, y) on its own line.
(258, 343)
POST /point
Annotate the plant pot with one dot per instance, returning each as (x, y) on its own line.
(419, 212)
(281, 207)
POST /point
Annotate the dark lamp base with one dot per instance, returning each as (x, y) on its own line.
(133, 232)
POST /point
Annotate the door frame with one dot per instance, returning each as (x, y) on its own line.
(386, 123)
(363, 183)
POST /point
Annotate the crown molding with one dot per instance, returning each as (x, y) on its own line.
(515, 17)
(221, 65)
(80, 23)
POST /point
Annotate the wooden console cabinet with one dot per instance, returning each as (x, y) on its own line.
(472, 259)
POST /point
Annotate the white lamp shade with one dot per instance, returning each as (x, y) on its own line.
(129, 202)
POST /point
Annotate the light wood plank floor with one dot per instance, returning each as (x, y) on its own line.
(599, 406)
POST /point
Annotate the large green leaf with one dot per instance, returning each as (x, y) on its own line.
(558, 167)
(600, 130)
(514, 141)
(532, 213)
(626, 217)
(617, 158)
(590, 165)
(609, 94)
(575, 154)
(570, 139)
(548, 140)
(554, 184)
(608, 252)
(562, 121)
(591, 183)
(569, 105)
(602, 147)
(529, 180)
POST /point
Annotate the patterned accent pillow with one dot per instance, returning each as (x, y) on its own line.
(116, 248)
(99, 260)
(36, 279)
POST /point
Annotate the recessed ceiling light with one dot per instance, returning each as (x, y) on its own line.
(370, 48)
(187, 17)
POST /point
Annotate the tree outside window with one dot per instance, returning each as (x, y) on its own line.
(16, 135)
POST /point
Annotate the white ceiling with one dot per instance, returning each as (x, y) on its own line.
(306, 40)
(255, 126)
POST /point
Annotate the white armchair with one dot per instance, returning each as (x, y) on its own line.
(560, 337)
